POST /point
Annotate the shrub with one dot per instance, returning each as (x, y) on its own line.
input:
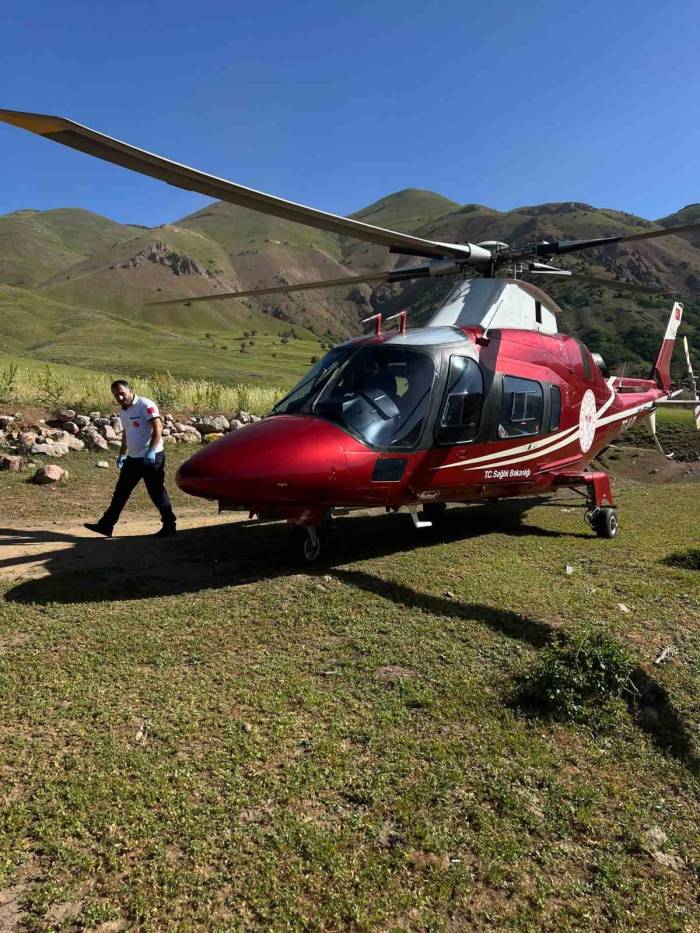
(8, 382)
(161, 387)
(52, 387)
(571, 680)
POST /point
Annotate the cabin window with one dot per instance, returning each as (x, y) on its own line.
(554, 408)
(585, 360)
(464, 396)
(521, 407)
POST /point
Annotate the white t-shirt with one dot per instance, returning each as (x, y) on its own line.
(136, 420)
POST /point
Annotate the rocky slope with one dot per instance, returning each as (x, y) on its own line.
(77, 259)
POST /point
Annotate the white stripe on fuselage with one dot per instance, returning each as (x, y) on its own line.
(546, 446)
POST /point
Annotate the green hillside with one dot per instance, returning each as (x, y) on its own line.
(35, 245)
(40, 328)
(77, 273)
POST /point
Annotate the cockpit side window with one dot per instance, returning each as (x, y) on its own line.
(521, 407)
(464, 397)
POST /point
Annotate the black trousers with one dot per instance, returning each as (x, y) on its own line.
(135, 469)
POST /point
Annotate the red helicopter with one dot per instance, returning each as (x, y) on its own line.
(485, 402)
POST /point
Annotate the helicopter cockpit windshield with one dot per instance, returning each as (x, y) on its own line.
(306, 390)
(378, 393)
(381, 395)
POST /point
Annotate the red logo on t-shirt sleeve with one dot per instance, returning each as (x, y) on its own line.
(151, 409)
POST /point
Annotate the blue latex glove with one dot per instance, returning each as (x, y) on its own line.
(121, 460)
(150, 457)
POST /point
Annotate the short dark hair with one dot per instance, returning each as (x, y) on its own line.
(120, 382)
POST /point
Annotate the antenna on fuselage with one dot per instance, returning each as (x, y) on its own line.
(377, 318)
(402, 322)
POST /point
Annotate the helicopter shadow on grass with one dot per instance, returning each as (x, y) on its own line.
(87, 570)
(80, 569)
(651, 708)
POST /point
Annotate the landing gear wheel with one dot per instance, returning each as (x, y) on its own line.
(307, 543)
(605, 522)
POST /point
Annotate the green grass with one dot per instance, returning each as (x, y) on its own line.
(54, 386)
(195, 735)
(40, 328)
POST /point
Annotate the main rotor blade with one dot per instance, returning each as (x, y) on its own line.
(560, 247)
(104, 147)
(398, 275)
(627, 286)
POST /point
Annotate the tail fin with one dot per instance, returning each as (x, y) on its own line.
(661, 372)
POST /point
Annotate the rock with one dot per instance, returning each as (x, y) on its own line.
(74, 443)
(209, 438)
(6, 421)
(94, 415)
(668, 860)
(13, 464)
(66, 414)
(568, 570)
(107, 431)
(56, 435)
(654, 838)
(221, 423)
(70, 427)
(244, 417)
(101, 422)
(166, 432)
(216, 425)
(168, 418)
(51, 473)
(82, 421)
(17, 416)
(93, 440)
(623, 608)
(235, 425)
(102, 464)
(179, 427)
(115, 442)
(169, 439)
(255, 418)
(27, 439)
(49, 449)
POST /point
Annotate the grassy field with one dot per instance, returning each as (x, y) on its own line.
(52, 386)
(194, 734)
(256, 349)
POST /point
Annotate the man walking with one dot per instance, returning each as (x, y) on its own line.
(141, 456)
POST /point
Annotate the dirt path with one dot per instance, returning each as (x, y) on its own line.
(33, 550)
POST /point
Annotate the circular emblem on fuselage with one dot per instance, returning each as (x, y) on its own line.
(587, 421)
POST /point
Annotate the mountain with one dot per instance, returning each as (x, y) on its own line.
(70, 265)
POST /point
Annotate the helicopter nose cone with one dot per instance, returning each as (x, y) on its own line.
(281, 459)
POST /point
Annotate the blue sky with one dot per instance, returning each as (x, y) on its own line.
(338, 104)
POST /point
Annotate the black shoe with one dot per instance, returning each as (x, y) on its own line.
(166, 531)
(98, 528)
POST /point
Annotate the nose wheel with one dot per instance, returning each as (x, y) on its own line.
(307, 543)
